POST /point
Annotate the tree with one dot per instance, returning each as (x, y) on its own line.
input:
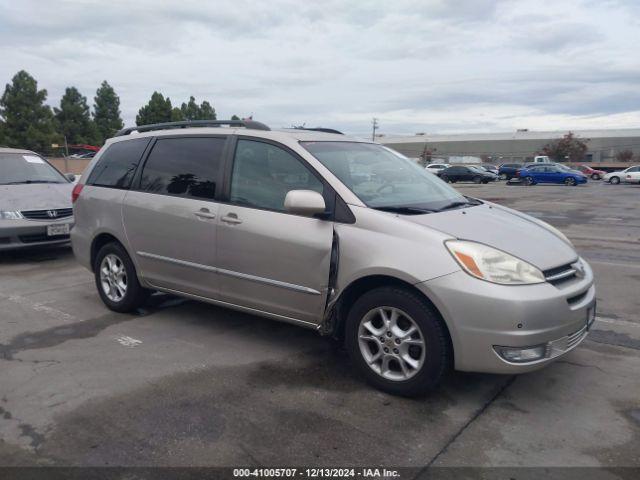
(158, 110)
(177, 115)
(106, 112)
(568, 148)
(207, 112)
(235, 117)
(73, 118)
(190, 111)
(193, 111)
(26, 121)
(624, 156)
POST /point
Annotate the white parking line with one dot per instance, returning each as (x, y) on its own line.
(614, 321)
(128, 341)
(39, 307)
(614, 264)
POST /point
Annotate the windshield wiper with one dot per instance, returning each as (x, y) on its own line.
(454, 205)
(30, 181)
(403, 210)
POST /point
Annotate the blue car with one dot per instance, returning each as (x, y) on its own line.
(550, 174)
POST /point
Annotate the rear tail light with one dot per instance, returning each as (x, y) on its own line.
(76, 192)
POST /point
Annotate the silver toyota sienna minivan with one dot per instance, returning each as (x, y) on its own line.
(333, 233)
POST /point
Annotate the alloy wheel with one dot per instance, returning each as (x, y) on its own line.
(113, 277)
(391, 343)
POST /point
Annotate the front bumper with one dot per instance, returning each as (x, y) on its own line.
(24, 233)
(482, 316)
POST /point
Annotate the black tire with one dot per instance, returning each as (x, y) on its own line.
(135, 295)
(614, 180)
(445, 178)
(437, 352)
(477, 179)
(570, 182)
(528, 181)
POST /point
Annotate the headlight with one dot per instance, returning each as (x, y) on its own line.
(10, 215)
(493, 265)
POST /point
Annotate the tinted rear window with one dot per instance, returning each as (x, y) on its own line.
(187, 166)
(118, 164)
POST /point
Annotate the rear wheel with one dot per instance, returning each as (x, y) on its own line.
(445, 178)
(570, 181)
(397, 341)
(477, 179)
(116, 279)
(528, 181)
(595, 176)
(503, 176)
(615, 180)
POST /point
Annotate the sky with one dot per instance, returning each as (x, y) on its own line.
(433, 66)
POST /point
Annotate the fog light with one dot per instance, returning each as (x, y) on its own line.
(521, 355)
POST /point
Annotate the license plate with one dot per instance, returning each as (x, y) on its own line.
(57, 230)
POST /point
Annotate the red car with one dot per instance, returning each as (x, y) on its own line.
(591, 172)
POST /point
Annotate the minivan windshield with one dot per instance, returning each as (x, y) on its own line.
(385, 179)
(19, 168)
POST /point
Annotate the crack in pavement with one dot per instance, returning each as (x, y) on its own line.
(423, 471)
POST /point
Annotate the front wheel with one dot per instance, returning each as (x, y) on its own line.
(595, 176)
(477, 179)
(117, 281)
(445, 178)
(397, 341)
(570, 181)
(615, 180)
(528, 181)
(503, 176)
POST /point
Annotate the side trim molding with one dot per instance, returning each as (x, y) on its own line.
(231, 273)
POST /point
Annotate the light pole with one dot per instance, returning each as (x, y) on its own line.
(374, 124)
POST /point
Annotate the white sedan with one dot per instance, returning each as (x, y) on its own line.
(436, 167)
(629, 175)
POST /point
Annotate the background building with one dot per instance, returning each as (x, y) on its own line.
(519, 146)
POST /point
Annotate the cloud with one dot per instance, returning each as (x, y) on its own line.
(418, 65)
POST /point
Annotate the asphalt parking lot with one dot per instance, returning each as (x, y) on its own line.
(185, 383)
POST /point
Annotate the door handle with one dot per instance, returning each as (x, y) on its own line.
(204, 213)
(231, 218)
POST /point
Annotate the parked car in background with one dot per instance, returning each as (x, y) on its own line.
(413, 276)
(35, 201)
(489, 168)
(617, 177)
(507, 171)
(550, 173)
(591, 172)
(461, 173)
(436, 167)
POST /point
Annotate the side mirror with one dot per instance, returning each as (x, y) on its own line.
(304, 202)
(71, 177)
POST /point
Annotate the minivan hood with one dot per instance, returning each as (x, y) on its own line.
(515, 233)
(35, 196)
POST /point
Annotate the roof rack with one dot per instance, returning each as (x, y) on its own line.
(193, 123)
(320, 129)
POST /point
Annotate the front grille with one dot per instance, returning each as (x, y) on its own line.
(51, 214)
(575, 338)
(564, 344)
(560, 274)
(42, 237)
